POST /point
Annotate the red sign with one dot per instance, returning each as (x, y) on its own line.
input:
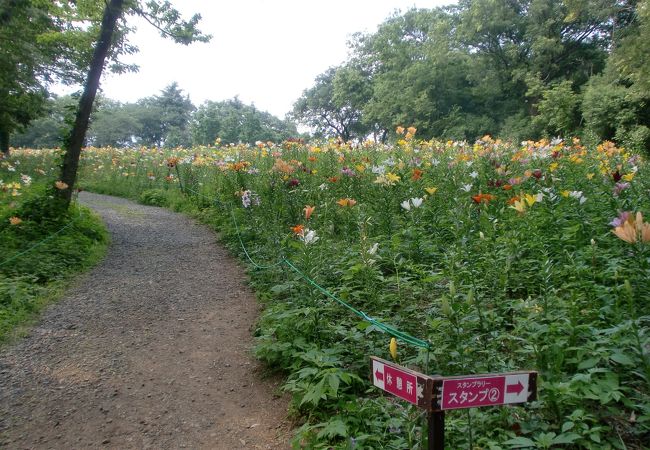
(404, 383)
(486, 390)
(441, 393)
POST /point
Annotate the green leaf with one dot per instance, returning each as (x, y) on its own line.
(622, 359)
(588, 363)
(334, 428)
(595, 437)
(567, 426)
(334, 381)
(545, 440)
(566, 438)
(520, 442)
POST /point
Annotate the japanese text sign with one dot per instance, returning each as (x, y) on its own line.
(404, 383)
(484, 390)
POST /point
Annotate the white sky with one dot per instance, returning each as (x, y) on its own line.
(265, 51)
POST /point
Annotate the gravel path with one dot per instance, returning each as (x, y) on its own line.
(150, 349)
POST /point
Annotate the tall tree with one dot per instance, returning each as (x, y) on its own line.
(161, 15)
(22, 95)
(232, 121)
(318, 107)
(176, 110)
(75, 140)
(419, 76)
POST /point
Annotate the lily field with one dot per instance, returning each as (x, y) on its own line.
(481, 257)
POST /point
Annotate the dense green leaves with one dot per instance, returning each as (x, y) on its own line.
(232, 121)
(516, 69)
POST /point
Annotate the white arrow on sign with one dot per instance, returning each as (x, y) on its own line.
(378, 374)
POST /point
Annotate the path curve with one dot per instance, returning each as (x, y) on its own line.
(150, 349)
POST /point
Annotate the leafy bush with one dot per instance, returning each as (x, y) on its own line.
(42, 247)
(153, 197)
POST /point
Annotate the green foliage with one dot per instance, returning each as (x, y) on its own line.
(520, 70)
(40, 254)
(494, 285)
(48, 130)
(614, 110)
(232, 121)
(328, 107)
(168, 120)
(557, 108)
(153, 197)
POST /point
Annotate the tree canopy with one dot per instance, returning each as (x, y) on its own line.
(519, 69)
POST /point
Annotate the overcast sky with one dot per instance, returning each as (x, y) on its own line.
(264, 51)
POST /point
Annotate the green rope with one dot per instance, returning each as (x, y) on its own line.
(379, 325)
(241, 242)
(51, 236)
(382, 326)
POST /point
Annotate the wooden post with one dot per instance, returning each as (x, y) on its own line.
(436, 430)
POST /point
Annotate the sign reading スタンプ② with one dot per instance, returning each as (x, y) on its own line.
(484, 390)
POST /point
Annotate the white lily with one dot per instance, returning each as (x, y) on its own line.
(309, 237)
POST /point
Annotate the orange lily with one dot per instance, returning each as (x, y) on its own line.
(346, 202)
(308, 211)
(483, 198)
(633, 230)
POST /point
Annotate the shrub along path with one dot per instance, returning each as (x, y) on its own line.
(149, 350)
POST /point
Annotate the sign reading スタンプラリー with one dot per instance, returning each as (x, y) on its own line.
(484, 390)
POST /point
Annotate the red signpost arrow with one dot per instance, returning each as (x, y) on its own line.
(379, 375)
(514, 388)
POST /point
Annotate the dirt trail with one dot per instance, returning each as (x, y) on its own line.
(150, 349)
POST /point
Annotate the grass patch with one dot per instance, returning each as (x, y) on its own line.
(41, 255)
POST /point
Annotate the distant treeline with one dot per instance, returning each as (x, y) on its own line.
(517, 69)
(520, 69)
(166, 120)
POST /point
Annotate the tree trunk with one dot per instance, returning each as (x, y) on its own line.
(75, 140)
(4, 143)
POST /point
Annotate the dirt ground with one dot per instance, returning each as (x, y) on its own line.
(150, 349)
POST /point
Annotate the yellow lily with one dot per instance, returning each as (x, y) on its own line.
(530, 199)
(519, 206)
(392, 347)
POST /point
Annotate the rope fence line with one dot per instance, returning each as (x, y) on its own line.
(56, 233)
(51, 236)
(416, 342)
